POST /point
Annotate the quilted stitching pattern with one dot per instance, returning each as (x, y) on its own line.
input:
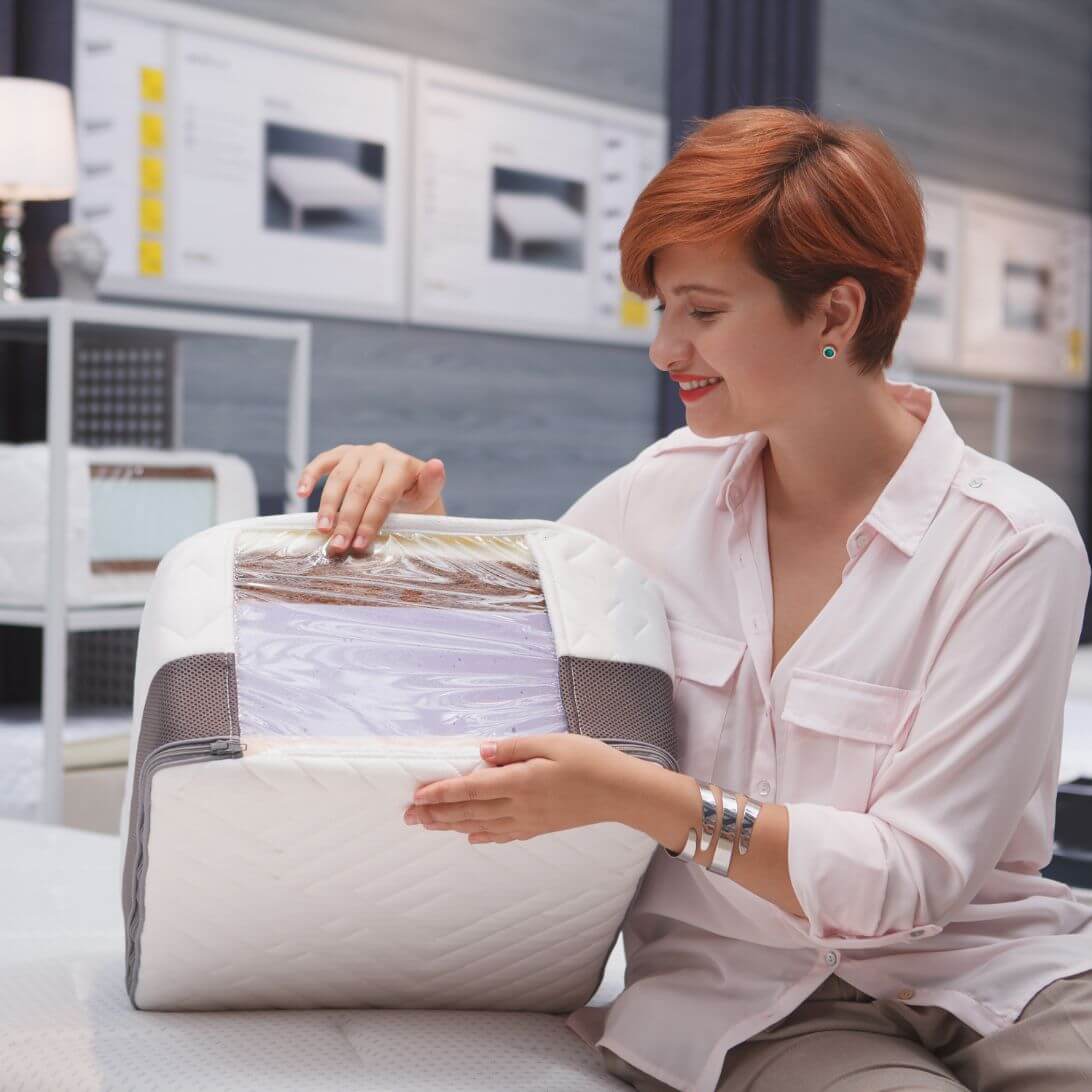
(602, 605)
(323, 897)
(365, 910)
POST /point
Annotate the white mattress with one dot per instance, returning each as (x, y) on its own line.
(286, 707)
(537, 216)
(66, 1024)
(21, 752)
(126, 507)
(309, 181)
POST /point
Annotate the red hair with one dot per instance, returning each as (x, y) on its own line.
(812, 201)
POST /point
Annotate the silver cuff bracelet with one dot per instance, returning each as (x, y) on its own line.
(750, 814)
(710, 827)
(689, 850)
(722, 855)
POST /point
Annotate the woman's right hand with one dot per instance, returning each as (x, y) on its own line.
(366, 483)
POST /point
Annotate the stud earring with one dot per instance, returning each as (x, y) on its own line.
(829, 352)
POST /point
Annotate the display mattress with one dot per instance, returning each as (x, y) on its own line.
(287, 704)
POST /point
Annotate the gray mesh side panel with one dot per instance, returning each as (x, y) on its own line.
(618, 701)
(189, 698)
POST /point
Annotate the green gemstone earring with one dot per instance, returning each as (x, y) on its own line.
(829, 352)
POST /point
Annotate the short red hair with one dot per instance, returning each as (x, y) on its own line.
(811, 200)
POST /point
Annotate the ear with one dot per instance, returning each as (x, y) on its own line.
(843, 310)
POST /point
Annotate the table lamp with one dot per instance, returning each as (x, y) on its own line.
(37, 163)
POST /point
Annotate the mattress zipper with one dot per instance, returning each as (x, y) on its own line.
(178, 753)
(648, 751)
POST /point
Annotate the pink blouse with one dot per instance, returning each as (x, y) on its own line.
(913, 731)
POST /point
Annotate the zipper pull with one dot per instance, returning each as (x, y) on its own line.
(227, 747)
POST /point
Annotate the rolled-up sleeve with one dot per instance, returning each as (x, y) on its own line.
(980, 748)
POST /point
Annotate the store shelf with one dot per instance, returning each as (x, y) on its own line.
(56, 322)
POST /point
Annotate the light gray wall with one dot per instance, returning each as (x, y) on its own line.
(990, 93)
(523, 424)
(996, 93)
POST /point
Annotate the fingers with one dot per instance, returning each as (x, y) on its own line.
(519, 748)
(333, 492)
(386, 492)
(358, 496)
(319, 465)
(364, 485)
(454, 813)
(427, 487)
(481, 785)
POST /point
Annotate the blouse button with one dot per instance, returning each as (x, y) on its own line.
(905, 995)
(832, 959)
(764, 788)
(974, 483)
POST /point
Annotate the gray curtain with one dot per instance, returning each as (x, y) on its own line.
(731, 53)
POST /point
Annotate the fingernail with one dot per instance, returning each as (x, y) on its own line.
(489, 750)
(410, 818)
(338, 542)
(325, 523)
(360, 542)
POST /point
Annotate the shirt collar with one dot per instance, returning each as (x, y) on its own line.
(904, 510)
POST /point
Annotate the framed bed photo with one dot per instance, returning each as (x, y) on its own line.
(232, 162)
(1026, 291)
(520, 196)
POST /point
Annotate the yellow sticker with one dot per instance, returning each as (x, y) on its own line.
(151, 130)
(151, 174)
(152, 84)
(151, 215)
(1076, 350)
(634, 309)
(151, 258)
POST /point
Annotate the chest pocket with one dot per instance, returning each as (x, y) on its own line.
(707, 671)
(835, 733)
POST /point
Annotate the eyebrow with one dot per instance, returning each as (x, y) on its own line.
(680, 289)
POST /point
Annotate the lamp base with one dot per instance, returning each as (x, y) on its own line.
(11, 252)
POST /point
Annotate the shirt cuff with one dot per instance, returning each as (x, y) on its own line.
(839, 871)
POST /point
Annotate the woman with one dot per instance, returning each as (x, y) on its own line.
(873, 627)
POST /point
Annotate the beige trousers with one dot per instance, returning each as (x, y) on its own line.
(843, 1040)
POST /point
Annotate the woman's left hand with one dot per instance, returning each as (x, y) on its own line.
(532, 785)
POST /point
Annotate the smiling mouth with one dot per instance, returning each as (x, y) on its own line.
(696, 387)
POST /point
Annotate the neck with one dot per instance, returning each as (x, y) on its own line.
(828, 466)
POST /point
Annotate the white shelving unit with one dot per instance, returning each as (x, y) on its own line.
(57, 320)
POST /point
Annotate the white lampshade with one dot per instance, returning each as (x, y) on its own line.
(37, 140)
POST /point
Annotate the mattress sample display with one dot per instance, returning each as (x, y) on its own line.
(322, 182)
(287, 704)
(126, 508)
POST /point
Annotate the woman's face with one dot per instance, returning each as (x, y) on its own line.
(723, 321)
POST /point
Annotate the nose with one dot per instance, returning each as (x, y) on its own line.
(667, 347)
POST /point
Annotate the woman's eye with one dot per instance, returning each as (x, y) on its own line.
(693, 314)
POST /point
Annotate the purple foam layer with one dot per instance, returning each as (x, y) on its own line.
(337, 670)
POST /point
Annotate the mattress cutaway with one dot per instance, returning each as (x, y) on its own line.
(337, 686)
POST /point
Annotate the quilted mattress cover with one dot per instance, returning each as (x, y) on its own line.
(111, 555)
(286, 706)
